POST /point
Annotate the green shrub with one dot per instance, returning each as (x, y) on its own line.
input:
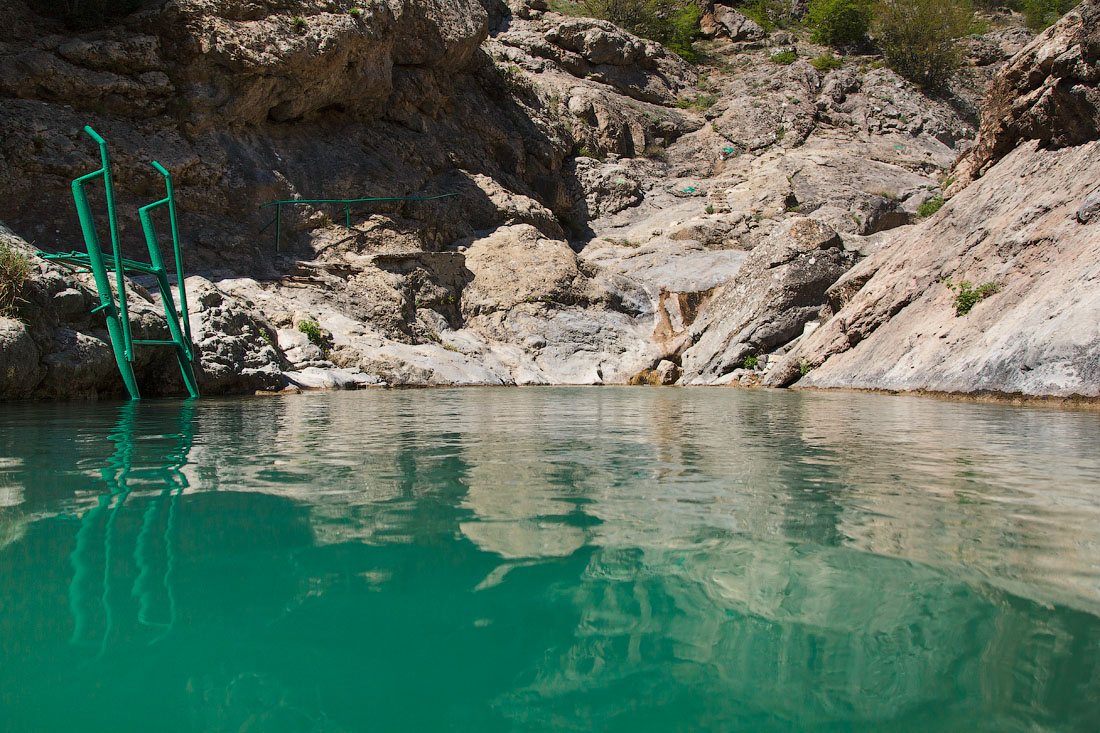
(355, 12)
(839, 22)
(921, 38)
(804, 366)
(683, 25)
(1040, 14)
(929, 207)
(312, 332)
(967, 296)
(15, 268)
(299, 23)
(826, 62)
(750, 362)
(785, 57)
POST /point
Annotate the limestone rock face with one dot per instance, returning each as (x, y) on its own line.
(580, 205)
(1024, 229)
(1049, 91)
(896, 327)
(778, 290)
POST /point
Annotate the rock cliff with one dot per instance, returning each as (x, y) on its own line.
(612, 214)
(1023, 222)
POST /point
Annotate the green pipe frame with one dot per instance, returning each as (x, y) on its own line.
(345, 203)
(118, 322)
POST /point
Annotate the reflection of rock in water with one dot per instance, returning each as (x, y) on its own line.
(517, 508)
(769, 634)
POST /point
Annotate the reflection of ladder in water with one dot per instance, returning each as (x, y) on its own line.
(99, 263)
(106, 512)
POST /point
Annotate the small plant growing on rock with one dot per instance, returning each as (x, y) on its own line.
(785, 58)
(826, 62)
(710, 208)
(312, 332)
(298, 23)
(967, 296)
(750, 362)
(929, 207)
(700, 101)
(15, 268)
(355, 12)
(804, 367)
(654, 151)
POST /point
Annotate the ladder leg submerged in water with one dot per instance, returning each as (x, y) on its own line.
(118, 323)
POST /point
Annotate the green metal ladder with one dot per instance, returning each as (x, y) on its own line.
(100, 263)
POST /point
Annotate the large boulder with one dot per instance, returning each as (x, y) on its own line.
(779, 289)
(20, 370)
(1049, 91)
(518, 264)
(238, 350)
(736, 26)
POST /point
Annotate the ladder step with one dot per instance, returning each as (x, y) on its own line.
(157, 342)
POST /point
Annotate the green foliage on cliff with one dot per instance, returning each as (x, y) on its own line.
(672, 23)
(826, 62)
(15, 268)
(313, 333)
(1043, 13)
(839, 22)
(967, 296)
(929, 207)
(84, 13)
(921, 39)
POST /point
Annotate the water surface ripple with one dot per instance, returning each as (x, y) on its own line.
(549, 559)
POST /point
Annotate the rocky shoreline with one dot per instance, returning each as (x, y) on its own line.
(619, 216)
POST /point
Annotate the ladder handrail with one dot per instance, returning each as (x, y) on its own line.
(346, 203)
(116, 245)
(176, 248)
(184, 345)
(118, 331)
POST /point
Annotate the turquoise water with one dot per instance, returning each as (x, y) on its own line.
(549, 559)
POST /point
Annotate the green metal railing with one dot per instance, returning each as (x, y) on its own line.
(344, 203)
(100, 264)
